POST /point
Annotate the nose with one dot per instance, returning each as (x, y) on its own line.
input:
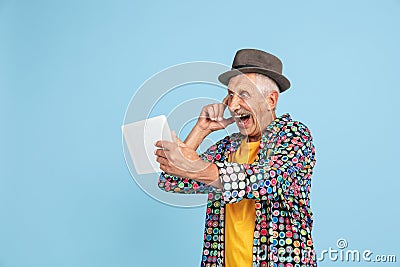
(234, 103)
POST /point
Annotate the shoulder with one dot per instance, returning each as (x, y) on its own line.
(294, 129)
(295, 137)
(296, 126)
(300, 127)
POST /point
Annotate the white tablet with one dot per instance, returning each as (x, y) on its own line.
(140, 137)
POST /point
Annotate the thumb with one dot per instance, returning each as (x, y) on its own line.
(225, 100)
(176, 139)
(226, 122)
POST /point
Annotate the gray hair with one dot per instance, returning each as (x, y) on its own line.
(265, 84)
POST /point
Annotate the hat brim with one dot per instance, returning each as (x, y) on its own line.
(281, 80)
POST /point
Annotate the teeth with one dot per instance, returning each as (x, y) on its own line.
(242, 115)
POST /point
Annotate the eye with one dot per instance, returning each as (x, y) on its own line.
(244, 95)
(230, 94)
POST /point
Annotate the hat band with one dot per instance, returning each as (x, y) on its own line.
(244, 66)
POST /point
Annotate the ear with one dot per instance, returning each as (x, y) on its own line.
(272, 100)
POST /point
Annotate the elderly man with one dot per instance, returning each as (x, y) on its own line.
(258, 180)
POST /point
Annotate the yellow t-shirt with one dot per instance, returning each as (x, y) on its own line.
(240, 216)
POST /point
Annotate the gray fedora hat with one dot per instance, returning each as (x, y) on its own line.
(256, 61)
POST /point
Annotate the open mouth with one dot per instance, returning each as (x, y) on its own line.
(243, 119)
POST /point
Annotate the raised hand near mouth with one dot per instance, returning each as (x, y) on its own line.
(212, 117)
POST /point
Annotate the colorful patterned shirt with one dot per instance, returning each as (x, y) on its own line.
(280, 184)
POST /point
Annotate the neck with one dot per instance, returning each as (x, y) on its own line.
(253, 138)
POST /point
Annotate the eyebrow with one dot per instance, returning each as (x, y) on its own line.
(240, 91)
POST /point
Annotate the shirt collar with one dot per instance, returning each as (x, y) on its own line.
(276, 124)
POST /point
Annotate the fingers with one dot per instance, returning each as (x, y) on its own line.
(214, 112)
(160, 153)
(221, 109)
(210, 113)
(218, 112)
(162, 160)
(225, 100)
(164, 168)
(164, 144)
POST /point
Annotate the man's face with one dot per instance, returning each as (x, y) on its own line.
(248, 106)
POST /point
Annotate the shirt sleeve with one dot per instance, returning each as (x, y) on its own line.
(175, 184)
(291, 161)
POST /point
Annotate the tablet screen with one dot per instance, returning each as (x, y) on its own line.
(140, 137)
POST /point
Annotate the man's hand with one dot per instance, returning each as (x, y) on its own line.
(178, 159)
(212, 117)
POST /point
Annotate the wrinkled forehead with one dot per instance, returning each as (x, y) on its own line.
(245, 81)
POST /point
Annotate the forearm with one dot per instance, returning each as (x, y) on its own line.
(196, 136)
(208, 175)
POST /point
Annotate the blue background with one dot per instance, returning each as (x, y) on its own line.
(69, 68)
